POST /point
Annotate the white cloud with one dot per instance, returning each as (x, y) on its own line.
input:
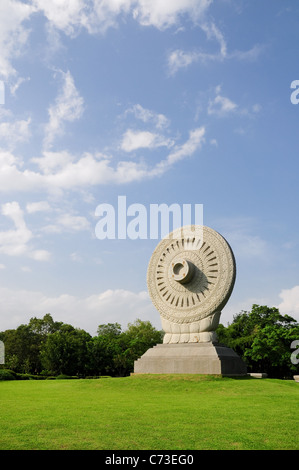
(16, 85)
(99, 15)
(40, 206)
(250, 55)
(16, 242)
(213, 32)
(167, 13)
(76, 257)
(89, 312)
(61, 171)
(195, 141)
(196, 138)
(67, 107)
(105, 13)
(66, 15)
(159, 120)
(221, 105)
(53, 161)
(73, 223)
(39, 255)
(14, 132)
(290, 302)
(157, 13)
(67, 223)
(179, 59)
(13, 35)
(133, 140)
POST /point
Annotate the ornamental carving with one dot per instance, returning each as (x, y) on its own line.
(190, 278)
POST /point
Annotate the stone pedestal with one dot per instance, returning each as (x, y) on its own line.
(190, 358)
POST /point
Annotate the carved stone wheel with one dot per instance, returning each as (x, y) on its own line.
(191, 274)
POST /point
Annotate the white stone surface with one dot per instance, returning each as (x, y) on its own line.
(196, 358)
(190, 278)
(258, 375)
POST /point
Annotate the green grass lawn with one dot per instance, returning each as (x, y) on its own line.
(150, 412)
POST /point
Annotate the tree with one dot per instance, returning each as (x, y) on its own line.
(23, 345)
(138, 338)
(262, 338)
(44, 326)
(104, 348)
(113, 351)
(66, 351)
(109, 330)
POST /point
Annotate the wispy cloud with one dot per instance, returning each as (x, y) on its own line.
(16, 242)
(16, 85)
(60, 171)
(67, 223)
(68, 107)
(94, 16)
(181, 59)
(13, 34)
(40, 206)
(164, 14)
(221, 105)
(99, 15)
(133, 140)
(194, 143)
(148, 116)
(213, 32)
(15, 131)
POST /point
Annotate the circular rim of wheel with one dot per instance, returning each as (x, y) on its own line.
(191, 274)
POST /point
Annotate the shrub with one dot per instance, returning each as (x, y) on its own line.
(64, 376)
(30, 377)
(6, 374)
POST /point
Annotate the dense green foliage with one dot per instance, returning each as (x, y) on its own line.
(263, 339)
(54, 348)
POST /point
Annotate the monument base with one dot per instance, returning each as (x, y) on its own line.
(190, 358)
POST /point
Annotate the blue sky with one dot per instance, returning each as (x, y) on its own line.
(180, 101)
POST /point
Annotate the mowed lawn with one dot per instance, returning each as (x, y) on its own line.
(150, 412)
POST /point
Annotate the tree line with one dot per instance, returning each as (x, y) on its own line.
(47, 347)
(262, 337)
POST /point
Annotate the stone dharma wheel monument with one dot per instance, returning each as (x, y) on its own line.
(190, 278)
